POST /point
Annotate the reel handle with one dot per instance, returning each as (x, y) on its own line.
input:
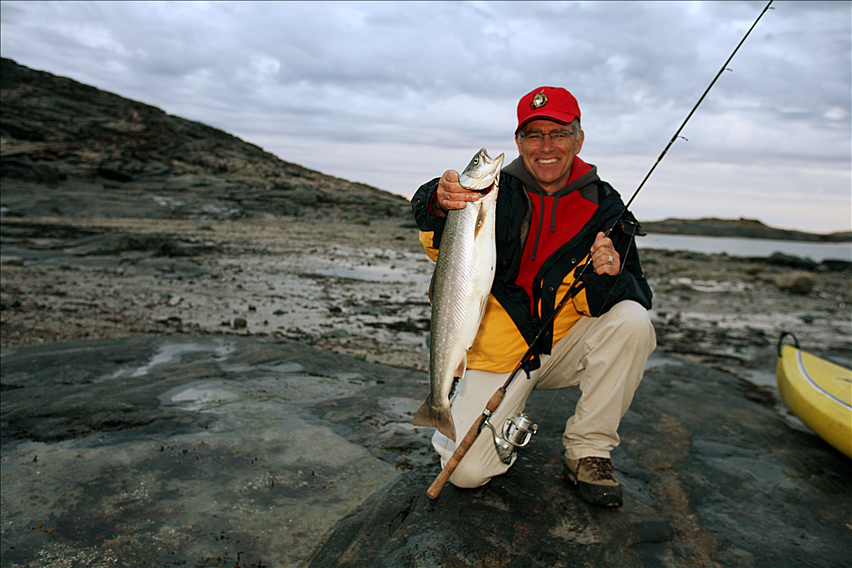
(465, 445)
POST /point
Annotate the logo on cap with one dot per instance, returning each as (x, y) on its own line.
(539, 100)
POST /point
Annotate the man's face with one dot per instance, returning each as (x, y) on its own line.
(547, 160)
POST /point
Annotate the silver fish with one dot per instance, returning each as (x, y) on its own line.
(460, 288)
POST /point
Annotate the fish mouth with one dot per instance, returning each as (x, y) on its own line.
(494, 165)
(487, 190)
(485, 173)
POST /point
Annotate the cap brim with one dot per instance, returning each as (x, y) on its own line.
(560, 117)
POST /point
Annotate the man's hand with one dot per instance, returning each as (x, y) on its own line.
(605, 259)
(451, 195)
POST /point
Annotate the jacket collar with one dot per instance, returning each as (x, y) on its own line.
(584, 180)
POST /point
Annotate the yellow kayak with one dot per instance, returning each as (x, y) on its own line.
(818, 392)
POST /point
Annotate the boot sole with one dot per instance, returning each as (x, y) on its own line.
(597, 495)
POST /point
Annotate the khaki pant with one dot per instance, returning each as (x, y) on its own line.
(605, 356)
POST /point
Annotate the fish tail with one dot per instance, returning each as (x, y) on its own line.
(442, 420)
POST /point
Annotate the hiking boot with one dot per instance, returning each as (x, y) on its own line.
(594, 479)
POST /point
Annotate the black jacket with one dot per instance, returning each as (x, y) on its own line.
(512, 228)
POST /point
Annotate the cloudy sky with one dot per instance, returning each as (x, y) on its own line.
(393, 93)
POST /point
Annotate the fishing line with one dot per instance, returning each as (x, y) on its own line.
(707, 90)
(495, 400)
(632, 238)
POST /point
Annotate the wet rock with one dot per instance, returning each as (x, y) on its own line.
(336, 334)
(117, 243)
(11, 261)
(833, 265)
(711, 478)
(134, 452)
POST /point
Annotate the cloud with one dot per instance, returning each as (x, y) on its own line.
(393, 93)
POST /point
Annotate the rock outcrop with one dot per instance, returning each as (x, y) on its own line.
(740, 228)
(71, 149)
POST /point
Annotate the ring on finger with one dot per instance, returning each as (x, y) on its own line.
(609, 259)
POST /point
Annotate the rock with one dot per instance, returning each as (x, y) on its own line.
(834, 265)
(698, 458)
(240, 323)
(336, 334)
(673, 319)
(796, 282)
(59, 134)
(25, 169)
(239, 451)
(740, 228)
(788, 260)
(11, 261)
(227, 451)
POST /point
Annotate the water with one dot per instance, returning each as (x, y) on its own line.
(748, 247)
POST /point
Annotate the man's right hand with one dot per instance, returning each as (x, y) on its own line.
(451, 195)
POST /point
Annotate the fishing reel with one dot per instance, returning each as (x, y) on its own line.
(517, 432)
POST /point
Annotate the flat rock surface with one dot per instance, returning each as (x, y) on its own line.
(245, 451)
(713, 476)
(225, 451)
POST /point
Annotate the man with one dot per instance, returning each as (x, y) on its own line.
(552, 212)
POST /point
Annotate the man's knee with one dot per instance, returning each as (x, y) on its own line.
(469, 476)
(479, 467)
(634, 324)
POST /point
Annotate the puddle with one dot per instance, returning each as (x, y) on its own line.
(759, 377)
(202, 396)
(280, 368)
(168, 353)
(660, 360)
(710, 285)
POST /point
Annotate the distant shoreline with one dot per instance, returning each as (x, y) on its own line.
(738, 228)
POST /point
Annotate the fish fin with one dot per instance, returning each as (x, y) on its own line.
(459, 372)
(443, 421)
(482, 305)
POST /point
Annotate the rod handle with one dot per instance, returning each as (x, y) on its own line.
(465, 445)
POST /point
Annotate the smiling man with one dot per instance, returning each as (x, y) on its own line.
(553, 211)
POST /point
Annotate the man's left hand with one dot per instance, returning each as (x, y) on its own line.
(605, 259)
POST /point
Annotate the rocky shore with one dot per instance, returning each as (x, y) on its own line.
(241, 394)
(359, 288)
(211, 357)
(138, 351)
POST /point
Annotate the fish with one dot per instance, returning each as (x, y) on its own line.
(460, 287)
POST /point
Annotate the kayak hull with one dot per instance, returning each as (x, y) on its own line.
(819, 393)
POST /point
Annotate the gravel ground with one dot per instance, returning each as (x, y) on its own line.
(357, 289)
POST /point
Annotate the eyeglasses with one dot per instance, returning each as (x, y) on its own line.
(557, 137)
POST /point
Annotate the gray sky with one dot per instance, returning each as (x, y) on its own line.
(392, 94)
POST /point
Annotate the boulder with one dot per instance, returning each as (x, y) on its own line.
(797, 282)
(788, 260)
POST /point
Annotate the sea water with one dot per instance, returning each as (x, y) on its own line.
(748, 247)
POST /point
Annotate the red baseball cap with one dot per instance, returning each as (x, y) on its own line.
(552, 103)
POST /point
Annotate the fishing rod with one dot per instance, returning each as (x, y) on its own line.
(497, 397)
